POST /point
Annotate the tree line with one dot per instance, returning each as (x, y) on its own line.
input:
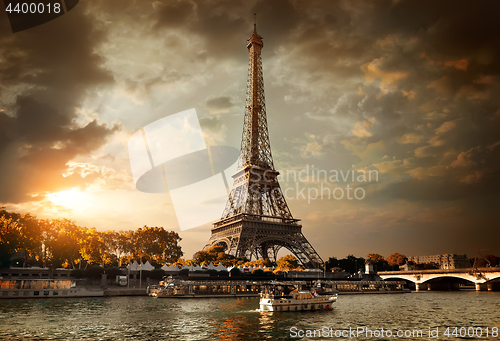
(216, 255)
(28, 241)
(352, 264)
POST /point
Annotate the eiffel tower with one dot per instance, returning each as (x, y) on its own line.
(256, 222)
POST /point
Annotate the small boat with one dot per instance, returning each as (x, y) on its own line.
(165, 289)
(278, 296)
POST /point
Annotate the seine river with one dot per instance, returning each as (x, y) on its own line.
(145, 318)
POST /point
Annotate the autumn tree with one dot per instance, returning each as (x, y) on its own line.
(19, 232)
(29, 237)
(111, 251)
(378, 261)
(125, 243)
(64, 243)
(262, 263)
(60, 242)
(9, 239)
(183, 262)
(375, 258)
(288, 262)
(396, 259)
(92, 247)
(155, 243)
(493, 260)
(216, 255)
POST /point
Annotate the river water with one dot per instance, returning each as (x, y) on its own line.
(145, 318)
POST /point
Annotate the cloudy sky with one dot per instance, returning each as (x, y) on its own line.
(407, 88)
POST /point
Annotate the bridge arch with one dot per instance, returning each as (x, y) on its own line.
(398, 278)
(465, 277)
(482, 278)
(426, 277)
(494, 278)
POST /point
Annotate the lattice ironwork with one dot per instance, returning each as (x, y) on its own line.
(256, 222)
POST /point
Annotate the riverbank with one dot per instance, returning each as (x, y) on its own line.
(57, 288)
(118, 291)
(124, 292)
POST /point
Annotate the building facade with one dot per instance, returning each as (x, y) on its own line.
(446, 261)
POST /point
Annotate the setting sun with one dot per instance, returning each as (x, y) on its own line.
(74, 198)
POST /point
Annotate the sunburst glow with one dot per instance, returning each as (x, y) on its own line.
(74, 198)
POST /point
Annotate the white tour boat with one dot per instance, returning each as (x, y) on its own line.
(288, 297)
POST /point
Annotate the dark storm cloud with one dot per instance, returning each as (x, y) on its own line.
(427, 71)
(45, 72)
(214, 125)
(222, 23)
(420, 77)
(219, 103)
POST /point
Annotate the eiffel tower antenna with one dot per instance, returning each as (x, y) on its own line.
(256, 222)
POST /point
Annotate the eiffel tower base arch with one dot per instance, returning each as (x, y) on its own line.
(257, 237)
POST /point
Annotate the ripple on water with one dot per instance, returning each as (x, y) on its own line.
(144, 318)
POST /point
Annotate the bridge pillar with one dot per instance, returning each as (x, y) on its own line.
(421, 286)
(480, 287)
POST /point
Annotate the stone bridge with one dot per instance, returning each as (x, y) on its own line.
(483, 278)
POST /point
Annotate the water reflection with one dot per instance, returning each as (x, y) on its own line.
(144, 318)
(265, 321)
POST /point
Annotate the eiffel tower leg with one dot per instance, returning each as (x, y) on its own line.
(275, 251)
